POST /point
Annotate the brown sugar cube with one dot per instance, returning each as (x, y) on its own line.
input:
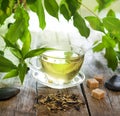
(92, 83)
(98, 93)
(99, 78)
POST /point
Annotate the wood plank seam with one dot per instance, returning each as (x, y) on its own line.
(83, 92)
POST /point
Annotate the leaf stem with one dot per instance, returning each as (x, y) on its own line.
(88, 9)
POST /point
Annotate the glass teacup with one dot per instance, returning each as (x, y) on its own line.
(61, 66)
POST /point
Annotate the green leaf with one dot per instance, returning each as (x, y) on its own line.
(14, 47)
(17, 29)
(1, 53)
(12, 73)
(111, 57)
(119, 46)
(25, 35)
(9, 44)
(36, 52)
(118, 55)
(5, 64)
(37, 7)
(112, 25)
(108, 41)
(6, 7)
(73, 5)
(95, 23)
(3, 17)
(102, 4)
(16, 53)
(22, 70)
(64, 10)
(111, 13)
(99, 47)
(26, 44)
(30, 1)
(80, 24)
(52, 7)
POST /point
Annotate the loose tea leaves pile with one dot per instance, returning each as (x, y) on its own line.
(57, 102)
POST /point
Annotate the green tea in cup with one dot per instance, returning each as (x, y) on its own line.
(61, 66)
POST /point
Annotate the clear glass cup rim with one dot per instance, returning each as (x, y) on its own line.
(81, 53)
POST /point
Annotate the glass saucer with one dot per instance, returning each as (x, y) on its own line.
(41, 77)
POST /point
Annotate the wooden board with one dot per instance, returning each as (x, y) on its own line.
(22, 104)
(43, 111)
(110, 105)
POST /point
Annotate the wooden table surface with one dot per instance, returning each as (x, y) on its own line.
(23, 103)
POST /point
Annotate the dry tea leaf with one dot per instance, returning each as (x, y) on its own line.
(63, 102)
